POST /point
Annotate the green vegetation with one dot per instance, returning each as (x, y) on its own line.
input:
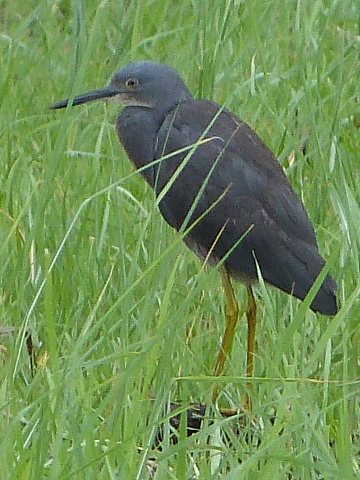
(117, 307)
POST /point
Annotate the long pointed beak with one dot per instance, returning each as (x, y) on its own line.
(100, 94)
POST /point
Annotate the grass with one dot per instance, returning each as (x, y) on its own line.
(117, 308)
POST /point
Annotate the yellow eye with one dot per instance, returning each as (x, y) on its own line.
(132, 82)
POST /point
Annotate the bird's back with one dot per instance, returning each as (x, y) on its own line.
(232, 193)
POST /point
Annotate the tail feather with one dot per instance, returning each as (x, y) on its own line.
(295, 269)
(325, 300)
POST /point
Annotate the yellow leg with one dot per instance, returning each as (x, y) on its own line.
(232, 315)
(251, 345)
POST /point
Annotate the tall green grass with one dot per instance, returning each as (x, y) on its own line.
(117, 308)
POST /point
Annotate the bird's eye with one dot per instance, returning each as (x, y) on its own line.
(132, 82)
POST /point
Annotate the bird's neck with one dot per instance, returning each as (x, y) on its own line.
(137, 129)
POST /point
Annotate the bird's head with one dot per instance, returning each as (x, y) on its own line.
(146, 84)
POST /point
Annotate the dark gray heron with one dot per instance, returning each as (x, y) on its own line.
(221, 186)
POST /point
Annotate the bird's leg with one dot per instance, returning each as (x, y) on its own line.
(251, 346)
(232, 315)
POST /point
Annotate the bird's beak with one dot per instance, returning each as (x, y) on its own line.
(106, 93)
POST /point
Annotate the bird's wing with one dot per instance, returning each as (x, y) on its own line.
(239, 160)
(233, 194)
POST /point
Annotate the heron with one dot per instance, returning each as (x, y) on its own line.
(222, 187)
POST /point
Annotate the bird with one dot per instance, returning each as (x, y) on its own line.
(222, 188)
